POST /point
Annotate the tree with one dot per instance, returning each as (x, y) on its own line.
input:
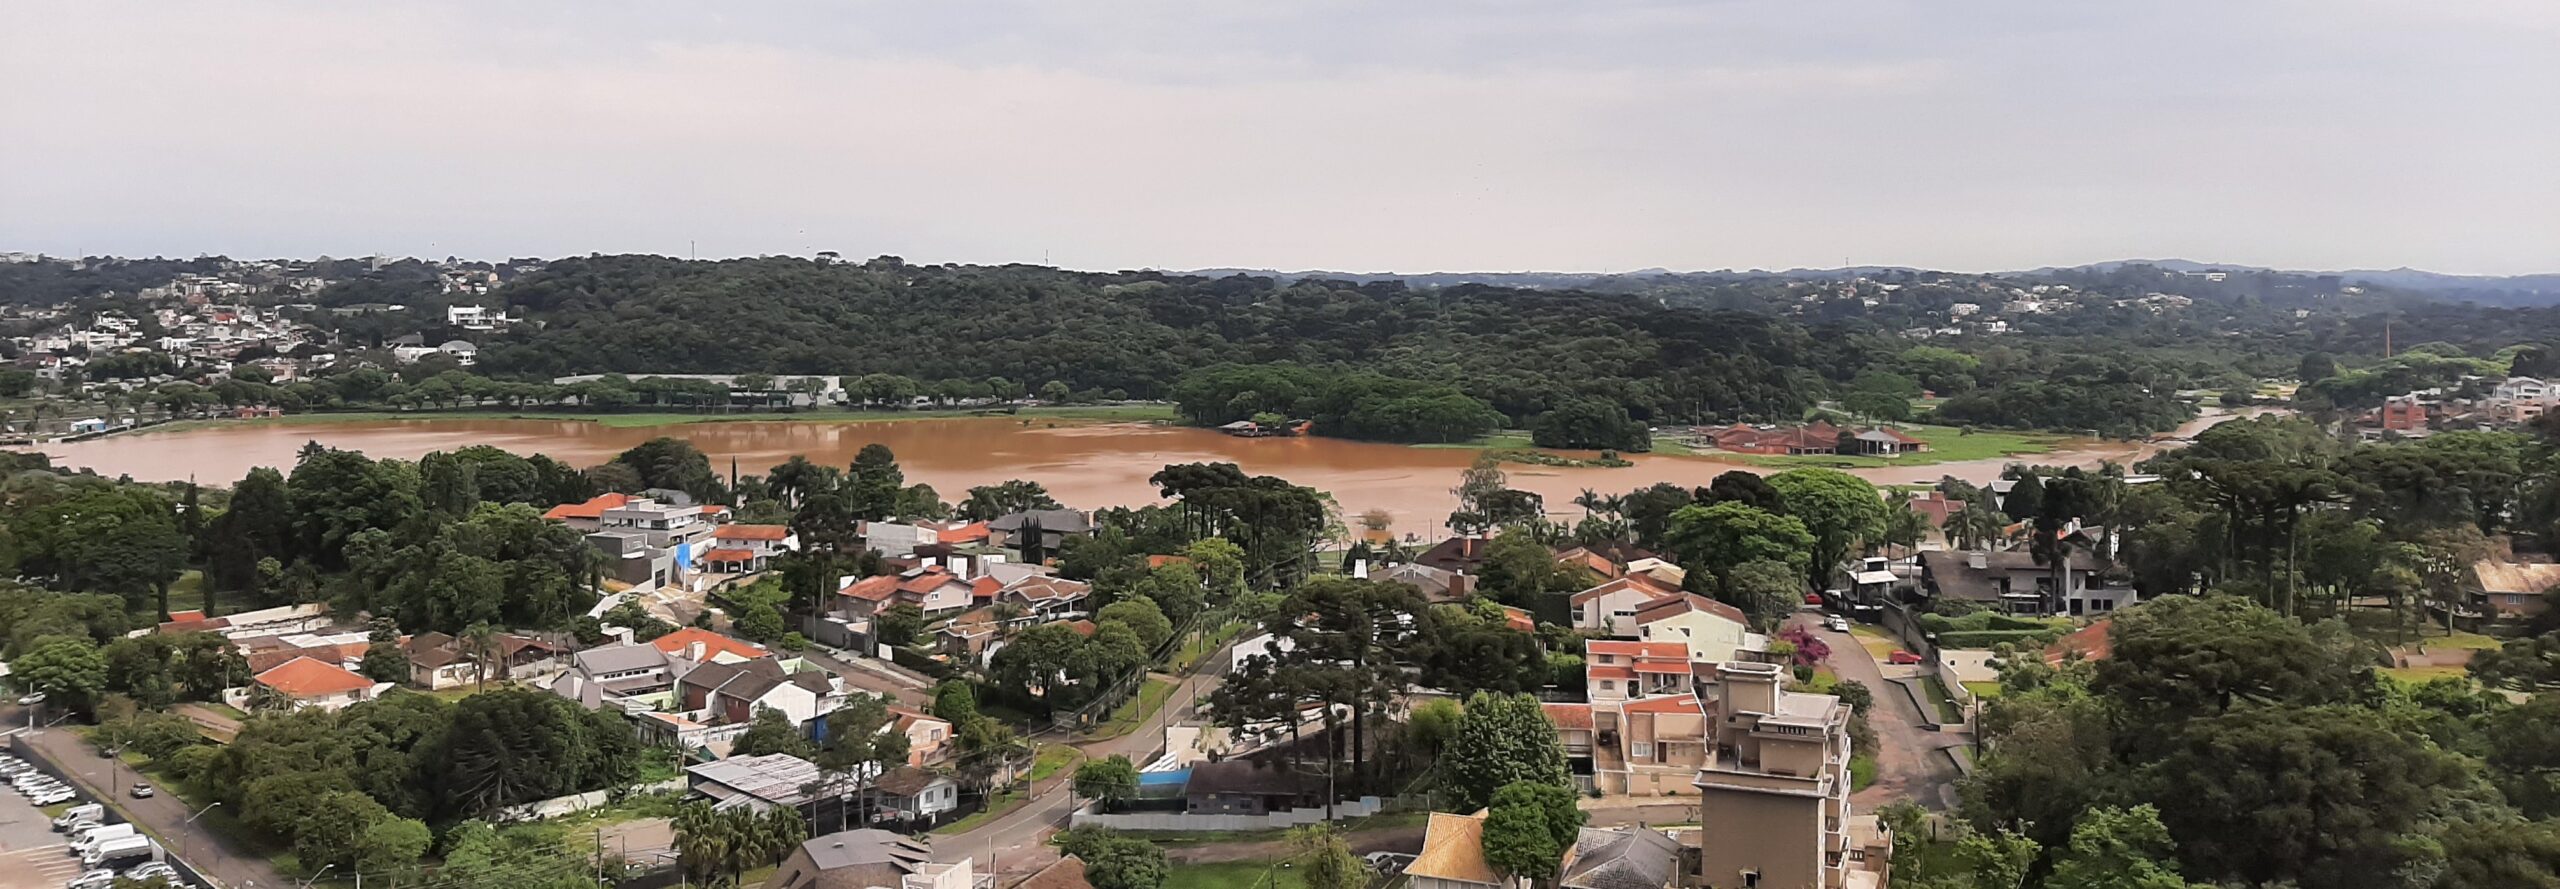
(901, 624)
(2316, 366)
(2314, 795)
(392, 847)
(1113, 860)
(69, 671)
(1841, 510)
(772, 732)
(1324, 860)
(1997, 860)
(1221, 566)
(1529, 827)
(1718, 537)
(1142, 615)
(2186, 656)
(2114, 848)
(987, 502)
(384, 661)
(1766, 591)
(1501, 740)
(1590, 424)
(1107, 780)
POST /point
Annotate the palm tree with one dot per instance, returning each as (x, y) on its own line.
(1589, 500)
(483, 639)
(1975, 525)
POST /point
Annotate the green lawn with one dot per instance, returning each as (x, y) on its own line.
(1878, 643)
(1200, 644)
(997, 807)
(1233, 875)
(2423, 675)
(1936, 692)
(1862, 771)
(1499, 439)
(1111, 412)
(187, 592)
(1135, 711)
(1052, 759)
(1983, 688)
(1947, 444)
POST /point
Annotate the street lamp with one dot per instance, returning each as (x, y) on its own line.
(191, 819)
(306, 884)
(34, 704)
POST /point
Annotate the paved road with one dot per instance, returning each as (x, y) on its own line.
(163, 815)
(906, 692)
(1908, 765)
(1018, 841)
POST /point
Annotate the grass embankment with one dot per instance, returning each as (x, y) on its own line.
(1947, 444)
(1938, 697)
(1232, 875)
(1135, 711)
(1879, 644)
(998, 806)
(1053, 759)
(1983, 688)
(1123, 413)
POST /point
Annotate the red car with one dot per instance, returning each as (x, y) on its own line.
(1902, 657)
(1813, 598)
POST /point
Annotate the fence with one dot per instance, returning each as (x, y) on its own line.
(1141, 821)
(566, 805)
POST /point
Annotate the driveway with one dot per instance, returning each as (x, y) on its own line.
(163, 815)
(1908, 764)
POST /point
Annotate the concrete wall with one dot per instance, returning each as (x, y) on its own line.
(1359, 808)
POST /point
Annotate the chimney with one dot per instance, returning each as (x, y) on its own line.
(1977, 560)
(693, 651)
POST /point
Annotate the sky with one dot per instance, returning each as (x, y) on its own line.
(1412, 136)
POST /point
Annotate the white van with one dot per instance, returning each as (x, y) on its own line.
(121, 851)
(101, 834)
(77, 814)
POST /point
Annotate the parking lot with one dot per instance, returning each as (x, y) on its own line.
(32, 856)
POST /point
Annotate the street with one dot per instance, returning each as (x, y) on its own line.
(163, 815)
(1908, 765)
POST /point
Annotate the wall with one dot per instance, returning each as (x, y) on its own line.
(1359, 808)
(565, 805)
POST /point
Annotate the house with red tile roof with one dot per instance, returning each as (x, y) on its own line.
(704, 646)
(1817, 437)
(1713, 631)
(310, 682)
(1884, 441)
(587, 517)
(1610, 608)
(926, 735)
(1618, 669)
(1456, 555)
(932, 588)
(1046, 596)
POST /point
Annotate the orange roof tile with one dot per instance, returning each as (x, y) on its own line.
(2091, 642)
(1161, 561)
(751, 532)
(1666, 669)
(1663, 704)
(1569, 716)
(1643, 584)
(713, 644)
(262, 661)
(729, 554)
(1631, 648)
(592, 509)
(1519, 619)
(304, 677)
(1605, 671)
(973, 532)
(873, 589)
(1685, 603)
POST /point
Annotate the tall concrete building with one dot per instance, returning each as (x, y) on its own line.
(1774, 793)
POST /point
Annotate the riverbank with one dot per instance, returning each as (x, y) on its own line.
(1105, 413)
(1947, 444)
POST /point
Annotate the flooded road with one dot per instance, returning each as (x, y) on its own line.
(1083, 464)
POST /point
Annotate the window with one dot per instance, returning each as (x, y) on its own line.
(1640, 749)
(1608, 685)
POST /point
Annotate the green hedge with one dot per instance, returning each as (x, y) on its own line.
(920, 662)
(1985, 639)
(1985, 620)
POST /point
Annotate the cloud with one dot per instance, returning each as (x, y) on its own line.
(1424, 135)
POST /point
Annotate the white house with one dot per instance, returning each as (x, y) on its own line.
(1611, 607)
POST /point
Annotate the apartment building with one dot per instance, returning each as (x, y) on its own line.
(1773, 792)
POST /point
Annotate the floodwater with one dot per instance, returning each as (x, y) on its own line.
(1083, 464)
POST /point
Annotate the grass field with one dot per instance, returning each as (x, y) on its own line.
(1053, 759)
(1003, 804)
(1947, 444)
(1984, 689)
(187, 592)
(1127, 413)
(1878, 643)
(2423, 675)
(1135, 711)
(1232, 875)
(1936, 692)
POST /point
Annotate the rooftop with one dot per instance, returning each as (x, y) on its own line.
(1453, 849)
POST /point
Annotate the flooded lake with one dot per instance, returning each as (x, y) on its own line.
(1083, 464)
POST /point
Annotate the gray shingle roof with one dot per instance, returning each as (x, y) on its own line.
(1621, 858)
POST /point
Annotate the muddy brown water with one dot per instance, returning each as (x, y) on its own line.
(1083, 464)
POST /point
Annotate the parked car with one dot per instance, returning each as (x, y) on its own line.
(1388, 863)
(150, 869)
(96, 879)
(56, 797)
(1813, 598)
(1836, 624)
(1902, 657)
(141, 790)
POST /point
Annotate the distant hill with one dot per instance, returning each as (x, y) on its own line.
(2536, 289)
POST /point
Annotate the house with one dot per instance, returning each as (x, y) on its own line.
(857, 859)
(2521, 399)
(1456, 555)
(265, 653)
(958, 533)
(908, 793)
(1600, 566)
(1249, 787)
(896, 540)
(741, 548)
(1435, 584)
(706, 647)
(463, 352)
(926, 735)
(1045, 597)
(1573, 728)
(440, 661)
(1621, 858)
(1039, 531)
(758, 783)
(1817, 437)
(1662, 571)
(1712, 631)
(611, 673)
(2011, 582)
(1610, 608)
(2513, 589)
(732, 693)
(1452, 857)
(587, 517)
(932, 589)
(1773, 795)
(309, 682)
(1651, 746)
(2403, 414)
(1616, 669)
(1884, 441)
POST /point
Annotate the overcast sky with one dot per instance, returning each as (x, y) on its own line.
(1411, 135)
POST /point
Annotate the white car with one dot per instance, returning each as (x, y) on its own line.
(1836, 624)
(1388, 863)
(96, 879)
(149, 869)
(59, 796)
